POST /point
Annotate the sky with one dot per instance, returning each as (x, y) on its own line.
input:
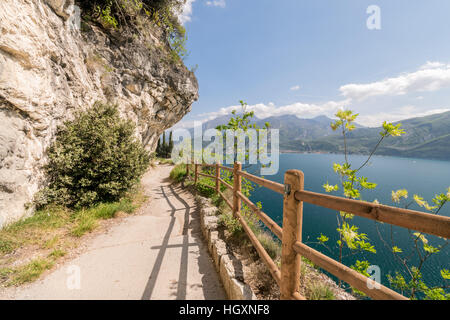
(386, 60)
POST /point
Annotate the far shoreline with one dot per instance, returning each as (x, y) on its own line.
(358, 154)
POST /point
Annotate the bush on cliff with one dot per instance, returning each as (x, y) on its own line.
(95, 158)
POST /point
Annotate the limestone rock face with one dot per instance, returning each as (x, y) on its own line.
(50, 69)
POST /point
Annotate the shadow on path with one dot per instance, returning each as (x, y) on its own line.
(210, 285)
(159, 259)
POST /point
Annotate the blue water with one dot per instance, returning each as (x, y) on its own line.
(418, 176)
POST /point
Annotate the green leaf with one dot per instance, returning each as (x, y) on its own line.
(422, 203)
(445, 274)
(322, 239)
(430, 248)
(399, 194)
(329, 188)
(361, 267)
(396, 249)
(346, 215)
(421, 237)
(392, 130)
(366, 185)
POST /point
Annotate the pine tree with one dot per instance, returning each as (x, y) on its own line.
(164, 146)
(158, 148)
(170, 145)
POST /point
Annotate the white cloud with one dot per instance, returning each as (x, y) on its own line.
(432, 65)
(186, 12)
(295, 88)
(216, 3)
(407, 112)
(430, 77)
(299, 109)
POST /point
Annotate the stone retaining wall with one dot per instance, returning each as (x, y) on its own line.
(228, 266)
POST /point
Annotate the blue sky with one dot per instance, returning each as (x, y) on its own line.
(308, 58)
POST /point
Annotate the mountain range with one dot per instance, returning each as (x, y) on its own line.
(425, 137)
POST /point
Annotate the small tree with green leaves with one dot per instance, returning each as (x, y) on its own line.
(242, 121)
(410, 282)
(95, 158)
(351, 241)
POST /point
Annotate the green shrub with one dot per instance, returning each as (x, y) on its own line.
(204, 187)
(178, 173)
(95, 158)
(231, 224)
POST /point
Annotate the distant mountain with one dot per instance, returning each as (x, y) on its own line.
(426, 137)
(290, 126)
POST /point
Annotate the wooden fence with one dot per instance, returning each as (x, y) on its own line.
(288, 278)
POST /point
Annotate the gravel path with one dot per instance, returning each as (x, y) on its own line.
(157, 254)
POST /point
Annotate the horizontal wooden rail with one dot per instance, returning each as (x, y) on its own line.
(228, 202)
(208, 165)
(410, 219)
(352, 277)
(274, 186)
(206, 175)
(260, 249)
(272, 225)
(226, 168)
(292, 213)
(229, 186)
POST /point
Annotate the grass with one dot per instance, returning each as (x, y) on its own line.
(33, 230)
(86, 220)
(50, 233)
(29, 272)
(164, 161)
(272, 246)
(319, 291)
(57, 253)
(178, 173)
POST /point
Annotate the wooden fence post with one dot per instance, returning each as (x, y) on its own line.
(217, 177)
(292, 232)
(196, 173)
(237, 188)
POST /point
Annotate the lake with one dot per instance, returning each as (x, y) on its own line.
(418, 176)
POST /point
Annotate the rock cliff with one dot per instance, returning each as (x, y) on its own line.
(50, 69)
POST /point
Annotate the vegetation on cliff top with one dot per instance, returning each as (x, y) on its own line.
(136, 15)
